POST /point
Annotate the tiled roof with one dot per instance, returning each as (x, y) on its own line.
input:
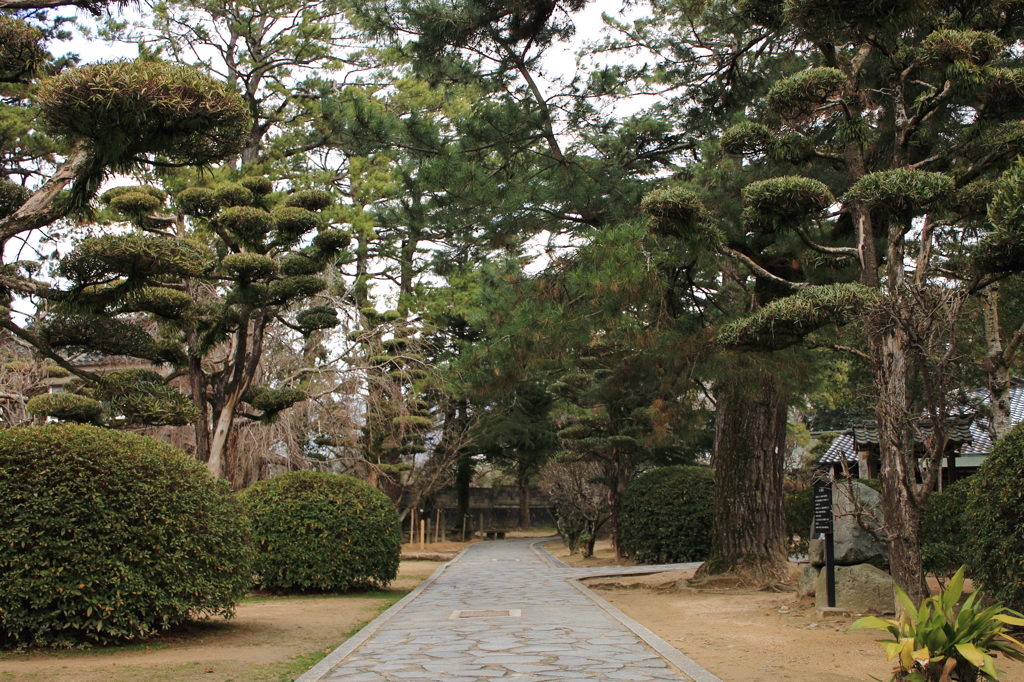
(842, 446)
(982, 443)
(959, 430)
(971, 433)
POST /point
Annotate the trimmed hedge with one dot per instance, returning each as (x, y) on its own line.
(107, 536)
(942, 530)
(318, 531)
(994, 522)
(665, 515)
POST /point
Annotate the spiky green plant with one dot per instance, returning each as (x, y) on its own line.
(936, 641)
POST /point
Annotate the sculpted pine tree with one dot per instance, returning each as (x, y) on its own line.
(896, 130)
(229, 265)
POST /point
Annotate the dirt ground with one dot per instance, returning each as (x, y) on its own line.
(436, 547)
(603, 555)
(742, 635)
(271, 639)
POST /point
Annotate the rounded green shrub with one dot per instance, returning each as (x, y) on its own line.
(66, 407)
(993, 517)
(322, 532)
(115, 192)
(942, 530)
(291, 288)
(330, 241)
(135, 204)
(249, 267)
(295, 222)
(21, 50)
(107, 536)
(665, 515)
(317, 317)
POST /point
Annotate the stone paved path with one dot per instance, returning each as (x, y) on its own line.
(560, 635)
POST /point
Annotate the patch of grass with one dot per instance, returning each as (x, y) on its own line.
(288, 671)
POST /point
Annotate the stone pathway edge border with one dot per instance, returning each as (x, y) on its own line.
(332, 659)
(546, 556)
(666, 650)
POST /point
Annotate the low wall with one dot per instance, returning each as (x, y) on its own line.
(498, 506)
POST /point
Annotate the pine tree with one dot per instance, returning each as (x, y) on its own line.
(870, 120)
(197, 290)
(517, 433)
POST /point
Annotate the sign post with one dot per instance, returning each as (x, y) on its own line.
(823, 530)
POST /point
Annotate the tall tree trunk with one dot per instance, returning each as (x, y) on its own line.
(997, 364)
(749, 529)
(898, 465)
(613, 476)
(224, 419)
(894, 414)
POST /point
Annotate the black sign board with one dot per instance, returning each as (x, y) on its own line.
(822, 508)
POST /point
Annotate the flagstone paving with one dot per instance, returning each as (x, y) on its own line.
(555, 631)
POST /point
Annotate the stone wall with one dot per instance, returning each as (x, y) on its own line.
(499, 506)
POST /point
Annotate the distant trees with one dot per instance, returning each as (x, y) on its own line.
(518, 434)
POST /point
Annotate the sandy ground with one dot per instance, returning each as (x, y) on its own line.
(749, 636)
(436, 547)
(603, 555)
(271, 639)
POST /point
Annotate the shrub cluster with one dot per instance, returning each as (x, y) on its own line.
(322, 532)
(942, 530)
(994, 522)
(666, 515)
(107, 536)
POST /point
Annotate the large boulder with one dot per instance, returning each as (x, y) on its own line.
(859, 589)
(806, 584)
(853, 544)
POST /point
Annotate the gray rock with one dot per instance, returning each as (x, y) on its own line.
(816, 553)
(859, 589)
(853, 544)
(805, 584)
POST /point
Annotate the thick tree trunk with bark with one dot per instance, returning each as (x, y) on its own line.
(898, 465)
(749, 532)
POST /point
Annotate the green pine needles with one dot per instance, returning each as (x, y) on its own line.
(130, 110)
(787, 321)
